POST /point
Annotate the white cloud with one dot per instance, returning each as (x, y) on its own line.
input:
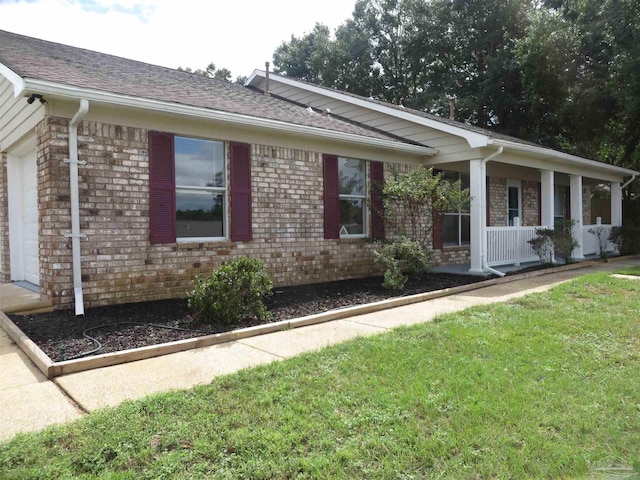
(238, 35)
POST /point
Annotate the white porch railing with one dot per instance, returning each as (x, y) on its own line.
(590, 242)
(509, 245)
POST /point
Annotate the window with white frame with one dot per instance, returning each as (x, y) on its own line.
(456, 226)
(514, 201)
(200, 188)
(352, 177)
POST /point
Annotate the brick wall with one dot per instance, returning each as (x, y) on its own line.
(530, 203)
(497, 202)
(120, 265)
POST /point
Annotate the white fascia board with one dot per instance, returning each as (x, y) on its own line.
(475, 140)
(565, 157)
(17, 81)
(99, 96)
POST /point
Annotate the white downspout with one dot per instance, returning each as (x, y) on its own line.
(483, 210)
(633, 177)
(75, 205)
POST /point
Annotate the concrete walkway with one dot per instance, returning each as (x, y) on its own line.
(29, 401)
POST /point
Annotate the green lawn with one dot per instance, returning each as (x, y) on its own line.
(630, 271)
(547, 386)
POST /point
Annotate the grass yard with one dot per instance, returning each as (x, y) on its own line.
(630, 271)
(547, 386)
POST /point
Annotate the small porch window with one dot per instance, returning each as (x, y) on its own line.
(456, 226)
(514, 200)
(559, 203)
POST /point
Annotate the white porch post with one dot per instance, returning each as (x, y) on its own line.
(547, 201)
(478, 213)
(616, 204)
(575, 183)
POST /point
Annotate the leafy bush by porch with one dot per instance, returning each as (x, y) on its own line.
(541, 387)
(411, 200)
(234, 292)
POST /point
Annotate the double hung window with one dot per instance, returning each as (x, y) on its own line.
(191, 198)
(200, 189)
(514, 204)
(353, 197)
(456, 226)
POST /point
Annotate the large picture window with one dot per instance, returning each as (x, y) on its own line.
(456, 226)
(352, 177)
(200, 188)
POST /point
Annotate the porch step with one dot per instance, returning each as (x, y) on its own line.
(15, 299)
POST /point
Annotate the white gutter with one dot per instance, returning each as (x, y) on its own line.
(549, 153)
(75, 205)
(227, 117)
(483, 214)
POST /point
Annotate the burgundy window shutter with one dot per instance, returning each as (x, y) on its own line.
(331, 197)
(162, 201)
(567, 203)
(240, 192)
(438, 220)
(376, 172)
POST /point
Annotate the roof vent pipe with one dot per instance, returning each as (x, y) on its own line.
(266, 79)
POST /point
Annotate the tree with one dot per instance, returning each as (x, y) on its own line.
(211, 71)
(410, 202)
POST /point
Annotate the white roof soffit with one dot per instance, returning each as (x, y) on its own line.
(474, 139)
(17, 81)
(66, 91)
(543, 152)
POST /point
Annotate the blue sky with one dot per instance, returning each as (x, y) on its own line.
(237, 34)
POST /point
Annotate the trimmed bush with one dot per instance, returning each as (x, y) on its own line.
(400, 257)
(232, 293)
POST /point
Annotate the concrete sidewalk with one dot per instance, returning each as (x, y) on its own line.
(31, 402)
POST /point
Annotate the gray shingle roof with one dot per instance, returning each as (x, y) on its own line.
(37, 59)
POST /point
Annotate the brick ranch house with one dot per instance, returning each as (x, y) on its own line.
(120, 181)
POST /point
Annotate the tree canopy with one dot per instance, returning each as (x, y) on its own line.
(562, 73)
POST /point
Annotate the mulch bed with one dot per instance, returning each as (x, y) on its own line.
(122, 327)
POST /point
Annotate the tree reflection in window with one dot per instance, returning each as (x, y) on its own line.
(200, 188)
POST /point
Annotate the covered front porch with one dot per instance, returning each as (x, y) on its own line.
(534, 193)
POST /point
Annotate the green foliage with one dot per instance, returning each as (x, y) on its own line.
(626, 238)
(539, 387)
(234, 292)
(563, 73)
(559, 240)
(410, 200)
(542, 245)
(400, 257)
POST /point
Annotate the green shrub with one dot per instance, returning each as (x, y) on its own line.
(542, 244)
(232, 293)
(626, 238)
(400, 257)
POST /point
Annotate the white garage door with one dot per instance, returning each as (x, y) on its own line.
(30, 219)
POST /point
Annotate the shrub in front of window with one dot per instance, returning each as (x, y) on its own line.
(232, 293)
(399, 258)
(410, 201)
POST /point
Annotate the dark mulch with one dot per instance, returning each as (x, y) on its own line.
(60, 333)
